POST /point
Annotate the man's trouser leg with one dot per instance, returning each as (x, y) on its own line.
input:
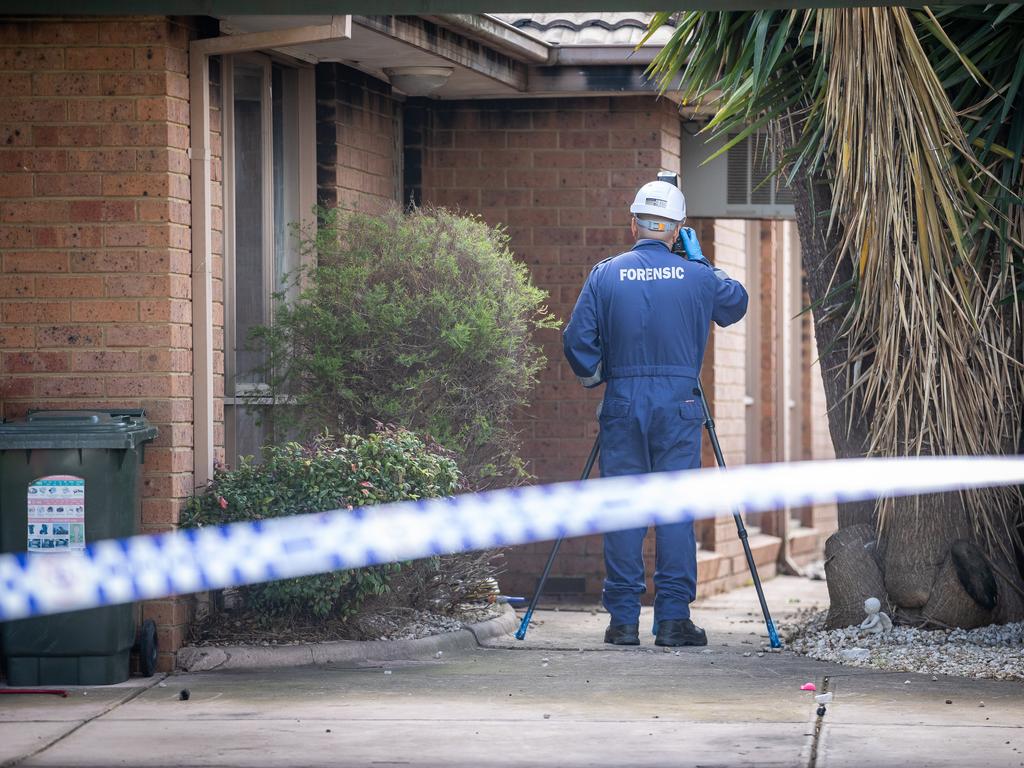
(624, 575)
(623, 452)
(675, 445)
(675, 571)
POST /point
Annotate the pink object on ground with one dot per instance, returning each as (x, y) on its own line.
(808, 687)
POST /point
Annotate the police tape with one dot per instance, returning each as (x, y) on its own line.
(194, 560)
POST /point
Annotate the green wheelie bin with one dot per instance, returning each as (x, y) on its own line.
(68, 478)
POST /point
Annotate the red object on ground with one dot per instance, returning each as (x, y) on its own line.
(54, 691)
(808, 687)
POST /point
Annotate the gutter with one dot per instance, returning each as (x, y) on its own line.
(498, 33)
(525, 47)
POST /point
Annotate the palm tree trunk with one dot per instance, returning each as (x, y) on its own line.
(849, 436)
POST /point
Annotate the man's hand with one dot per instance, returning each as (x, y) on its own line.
(691, 246)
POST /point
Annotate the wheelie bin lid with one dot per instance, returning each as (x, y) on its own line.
(124, 429)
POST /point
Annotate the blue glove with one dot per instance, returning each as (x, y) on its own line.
(691, 247)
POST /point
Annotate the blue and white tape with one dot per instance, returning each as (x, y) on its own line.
(145, 567)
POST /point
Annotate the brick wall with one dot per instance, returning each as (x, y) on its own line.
(94, 233)
(358, 140)
(560, 175)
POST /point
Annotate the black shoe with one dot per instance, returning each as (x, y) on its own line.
(677, 632)
(622, 634)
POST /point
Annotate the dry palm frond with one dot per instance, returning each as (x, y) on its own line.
(916, 121)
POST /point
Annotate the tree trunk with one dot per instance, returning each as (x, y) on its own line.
(812, 200)
(926, 567)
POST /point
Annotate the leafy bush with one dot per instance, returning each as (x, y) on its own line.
(423, 319)
(389, 465)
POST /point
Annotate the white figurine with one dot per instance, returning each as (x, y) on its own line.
(877, 621)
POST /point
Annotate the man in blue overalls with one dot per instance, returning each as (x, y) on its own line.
(640, 325)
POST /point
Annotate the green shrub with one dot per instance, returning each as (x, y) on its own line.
(389, 465)
(423, 319)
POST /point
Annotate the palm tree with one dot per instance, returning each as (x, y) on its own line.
(902, 132)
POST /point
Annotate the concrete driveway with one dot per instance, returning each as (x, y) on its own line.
(561, 698)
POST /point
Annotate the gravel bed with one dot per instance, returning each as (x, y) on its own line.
(995, 652)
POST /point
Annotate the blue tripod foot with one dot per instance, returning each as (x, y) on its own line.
(524, 625)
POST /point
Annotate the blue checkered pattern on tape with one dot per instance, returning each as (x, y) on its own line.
(143, 567)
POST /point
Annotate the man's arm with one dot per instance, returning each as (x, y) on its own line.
(581, 339)
(730, 300)
(730, 295)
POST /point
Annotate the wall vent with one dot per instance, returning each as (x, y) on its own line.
(735, 185)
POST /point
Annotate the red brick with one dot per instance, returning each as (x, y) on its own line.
(68, 185)
(17, 386)
(35, 160)
(132, 84)
(17, 135)
(70, 386)
(609, 120)
(33, 362)
(102, 160)
(161, 58)
(630, 179)
(162, 159)
(167, 486)
(139, 285)
(35, 312)
(105, 360)
(531, 179)
(17, 287)
(69, 287)
(105, 311)
(72, 236)
(33, 211)
(102, 210)
(15, 84)
(63, 32)
(12, 337)
(595, 139)
(169, 460)
(144, 32)
(137, 386)
(107, 110)
(163, 109)
(156, 335)
(32, 110)
(168, 410)
(69, 336)
(36, 261)
(558, 120)
(104, 261)
(137, 235)
(165, 612)
(167, 360)
(169, 310)
(31, 58)
(560, 158)
(532, 139)
(65, 84)
(100, 58)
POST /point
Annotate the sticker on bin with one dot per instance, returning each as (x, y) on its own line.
(144, 567)
(56, 514)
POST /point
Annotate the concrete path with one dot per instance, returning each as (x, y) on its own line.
(561, 698)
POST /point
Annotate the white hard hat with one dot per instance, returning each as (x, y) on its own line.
(661, 199)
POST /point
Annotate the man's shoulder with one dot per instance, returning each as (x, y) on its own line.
(604, 262)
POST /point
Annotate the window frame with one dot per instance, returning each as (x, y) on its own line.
(240, 395)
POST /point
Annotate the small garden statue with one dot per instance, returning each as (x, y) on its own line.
(877, 620)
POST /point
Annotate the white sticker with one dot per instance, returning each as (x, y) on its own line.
(56, 514)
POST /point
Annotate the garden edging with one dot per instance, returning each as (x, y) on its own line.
(206, 658)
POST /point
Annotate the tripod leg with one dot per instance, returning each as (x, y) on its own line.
(525, 623)
(741, 529)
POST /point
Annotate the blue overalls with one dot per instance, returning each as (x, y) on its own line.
(641, 324)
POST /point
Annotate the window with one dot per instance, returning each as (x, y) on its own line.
(269, 185)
